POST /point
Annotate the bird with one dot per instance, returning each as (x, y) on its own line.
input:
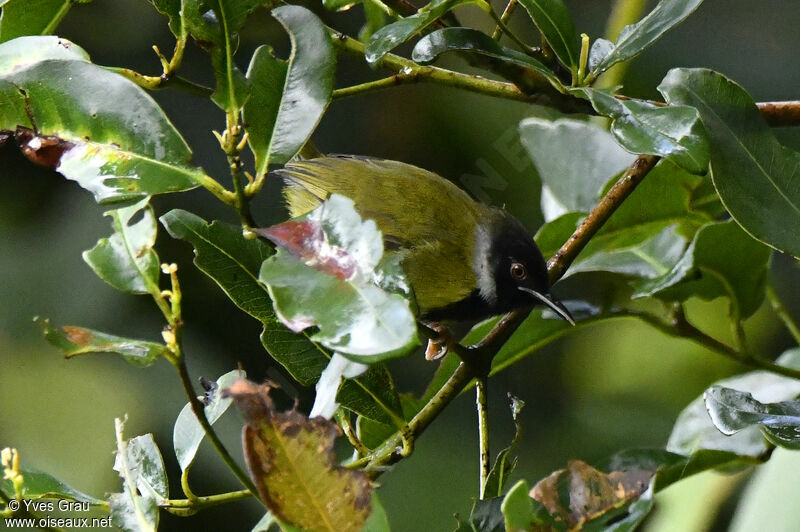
(464, 260)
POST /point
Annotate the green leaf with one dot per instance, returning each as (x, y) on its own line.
(396, 33)
(31, 17)
(172, 10)
(25, 51)
(99, 129)
(373, 395)
(293, 466)
(555, 23)
(332, 276)
(636, 37)
(141, 467)
(695, 430)
(74, 341)
(674, 132)
(521, 512)
(503, 464)
(375, 19)
(213, 24)
(232, 261)
(431, 46)
(287, 99)
(722, 260)
(732, 411)
(187, 433)
(126, 260)
(39, 485)
(574, 160)
(755, 175)
(377, 521)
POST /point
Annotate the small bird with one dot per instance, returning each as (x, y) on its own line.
(464, 260)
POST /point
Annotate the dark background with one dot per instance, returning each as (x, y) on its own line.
(602, 389)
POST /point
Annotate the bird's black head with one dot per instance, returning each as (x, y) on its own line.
(510, 268)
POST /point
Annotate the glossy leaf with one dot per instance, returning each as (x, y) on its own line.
(636, 37)
(187, 434)
(327, 273)
(95, 127)
(73, 341)
(30, 17)
(755, 175)
(574, 160)
(695, 430)
(232, 261)
(722, 260)
(431, 46)
(674, 131)
(39, 485)
(214, 24)
(126, 260)
(732, 411)
(287, 99)
(396, 33)
(144, 485)
(292, 463)
(25, 51)
(555, 23)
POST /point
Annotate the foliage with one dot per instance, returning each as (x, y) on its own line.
(671, 201)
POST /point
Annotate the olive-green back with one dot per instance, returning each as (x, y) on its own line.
(428, 219)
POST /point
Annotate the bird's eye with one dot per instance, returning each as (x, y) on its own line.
(518, 271)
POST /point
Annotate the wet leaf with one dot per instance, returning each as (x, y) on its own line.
(287, 99)
(74, 341)
(141, 468)
(574, 160)
(92, 126)
(126, 260)
(328, 273)
(722, 260)
(581, 493)
(431, 46)
(695, 430)
(30, 17)
(187, 433)
(39, 485)
(214, 24)
(555, 23)
(754, 174)
(636, 37)
(732, 411)
(293, 465)
(674, 132)
(396, 33)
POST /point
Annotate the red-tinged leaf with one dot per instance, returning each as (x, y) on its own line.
(293, 466)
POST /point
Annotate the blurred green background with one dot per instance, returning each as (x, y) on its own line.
(600, 390)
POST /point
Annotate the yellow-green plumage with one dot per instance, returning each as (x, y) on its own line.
(429, 225)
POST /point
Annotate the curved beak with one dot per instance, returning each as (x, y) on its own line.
(553, 304)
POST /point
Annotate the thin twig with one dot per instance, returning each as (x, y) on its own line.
(498, 31)
(783, 313)
(482, 403)
(192, 506)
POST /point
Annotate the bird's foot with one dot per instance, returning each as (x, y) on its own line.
(442, 344)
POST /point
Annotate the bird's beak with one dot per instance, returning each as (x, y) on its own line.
(552, 304)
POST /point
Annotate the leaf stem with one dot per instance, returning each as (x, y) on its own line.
(56, 20)
(501, 24)
(191, 506)
(498, 31)
(783, 313)
(482, 403)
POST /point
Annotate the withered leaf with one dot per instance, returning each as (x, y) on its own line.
(292, 463)
(581, 493)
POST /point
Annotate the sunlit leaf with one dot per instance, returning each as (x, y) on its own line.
(338, 369)
(396, 33)
(144, 483)
(328, 273)
(555, 23)
(431, 46)
(636, 37)
(674, 131)
(293, 465)
(732, 411)
(30, 17)
(126, 260)
(754, 174)
(74, 341)
(187, 434)
(695, 430)
(287, 99)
